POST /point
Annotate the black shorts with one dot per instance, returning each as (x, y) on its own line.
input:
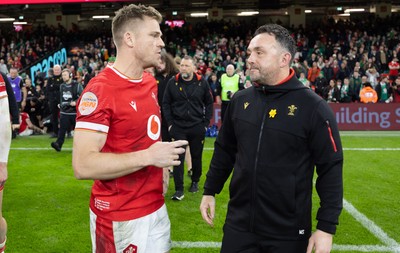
(244, 242)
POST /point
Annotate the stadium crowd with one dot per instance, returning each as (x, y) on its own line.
(342, 61)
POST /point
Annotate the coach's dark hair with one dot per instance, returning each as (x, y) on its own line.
(127, 15)
(282, 36)
(171, 68)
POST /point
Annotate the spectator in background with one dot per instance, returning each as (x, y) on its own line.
(396, 90)
(3, 67)
(27, 127)
(266, 161)
(332, 92)
(373, 76)
(230, 84)
(345, 96)
(320, 84)
(304, 80)
(18, 87)
(86, 76)
(355, 86)
(214, 85)
(187, 108)
(393, 68)
(313, 73)
(368, 94)
(384, 91)
(70, 91)
(53, 97)
(119, 108)
(166, 70)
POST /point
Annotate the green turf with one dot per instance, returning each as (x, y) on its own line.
(47, 208)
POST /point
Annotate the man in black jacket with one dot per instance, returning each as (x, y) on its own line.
(69, 94)
(53, 96)
(187, 108)
(274, 134)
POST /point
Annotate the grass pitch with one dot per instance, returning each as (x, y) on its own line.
(47, 208)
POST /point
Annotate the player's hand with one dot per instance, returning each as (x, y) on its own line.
(207, 209)
(166, 154)
(320, 242)
(3, 173)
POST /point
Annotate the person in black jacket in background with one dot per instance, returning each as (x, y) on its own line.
(53, 96)
(13, 106)
(274, 134)
(165, 71)
(187, 108)
(70, 91)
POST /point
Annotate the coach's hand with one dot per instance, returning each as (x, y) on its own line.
(207, 209)
(320, 242)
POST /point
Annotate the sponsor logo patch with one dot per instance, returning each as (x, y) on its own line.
(88, 103)
(153, 127)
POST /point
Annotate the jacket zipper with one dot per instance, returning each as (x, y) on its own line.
(331, 136)
(254, 189)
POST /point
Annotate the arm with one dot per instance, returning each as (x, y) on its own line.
(328, 156)
(24, 96)
(89, 163)
(220, 167)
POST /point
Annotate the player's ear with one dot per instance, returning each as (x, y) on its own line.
(129, 39)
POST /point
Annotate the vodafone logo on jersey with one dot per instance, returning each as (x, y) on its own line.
(88, 103)
(154, 127)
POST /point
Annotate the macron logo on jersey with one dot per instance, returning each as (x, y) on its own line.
(133, 104)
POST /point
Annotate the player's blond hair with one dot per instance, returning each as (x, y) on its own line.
(127, 15)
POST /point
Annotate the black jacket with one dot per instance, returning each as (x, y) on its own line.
(12, 103)
(273, 136)
(187, 103)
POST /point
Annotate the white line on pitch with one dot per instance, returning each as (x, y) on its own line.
(371, 226)
(208, 149)
(336, 247)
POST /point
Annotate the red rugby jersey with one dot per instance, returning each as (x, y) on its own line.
(128, 112)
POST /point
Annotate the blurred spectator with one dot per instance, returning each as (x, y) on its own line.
(304, 80)
(53, 97)
(163, 73)
(313, 73)
(230, 84)
(355, 87)
(393, 69)
(320, 84)
(368, 94)
(396, 90)
(18, 87)
(3, 67)
(345, 96)
(372, 75)
(384, 91)
(27, 127)
(331, 93)
(70, 91)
